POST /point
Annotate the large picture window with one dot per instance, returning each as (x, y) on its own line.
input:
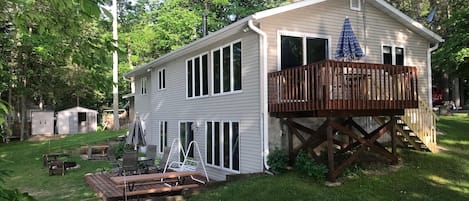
(197, 76)
(227, 69)
(223, 144)
(300, 50)
(163, 135)
(393, 55)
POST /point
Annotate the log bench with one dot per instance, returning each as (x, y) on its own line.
(94, 152)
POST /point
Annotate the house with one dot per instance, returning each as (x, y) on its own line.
(238, 93)
(76, 120)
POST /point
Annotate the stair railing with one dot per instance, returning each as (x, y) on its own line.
(422, 121)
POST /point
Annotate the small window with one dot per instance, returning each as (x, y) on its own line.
(143, 86)
(355, 5)
(393, 55)
(161, 79)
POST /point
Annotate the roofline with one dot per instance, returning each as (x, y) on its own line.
(282, 9)
(403, 18)
(410, 22)
(187, 48)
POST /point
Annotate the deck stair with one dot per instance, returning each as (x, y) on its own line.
(416, 129)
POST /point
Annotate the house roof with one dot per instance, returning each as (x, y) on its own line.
(239, 25)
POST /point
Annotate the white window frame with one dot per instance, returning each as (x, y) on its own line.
(304, 36)
(143, 86)
(359, 8)
(221, 138)
(231, 91)
(393, 53)
(163, 126)
(161, 79)
(200, 76)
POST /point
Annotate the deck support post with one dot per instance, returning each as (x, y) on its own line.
(394, 140)
(330, 154)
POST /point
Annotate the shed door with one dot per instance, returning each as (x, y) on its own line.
(42, 123)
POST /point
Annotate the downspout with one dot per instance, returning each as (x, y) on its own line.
(429, 69)
(264, 109)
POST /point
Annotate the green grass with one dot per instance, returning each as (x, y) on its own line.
(24, 161)
(423, 176)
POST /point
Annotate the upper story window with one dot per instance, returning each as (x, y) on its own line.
(197, 76)
(143, 86)
(393, 55)
(299, 49)
(355, 5)
(161, 79)
(227, 70)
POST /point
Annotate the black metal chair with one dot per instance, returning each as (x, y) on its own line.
(130, 163)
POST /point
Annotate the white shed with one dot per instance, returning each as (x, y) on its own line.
(42, 122)
(76, 120)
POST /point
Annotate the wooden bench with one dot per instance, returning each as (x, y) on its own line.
(47, 158)
(95, 151)
(163, 189)
(162, 178)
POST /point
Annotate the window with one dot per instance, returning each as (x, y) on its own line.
(302, 50)
(227, 70)
(355, 5)
(163, 135)
(197, 76)
(393, 55)
(161, 79)
(143, 86)
(186, 136)
(223, 144)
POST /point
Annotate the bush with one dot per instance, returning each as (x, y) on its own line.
(119, 149)
(278, 161)
(308, 166)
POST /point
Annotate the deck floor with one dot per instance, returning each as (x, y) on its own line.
(105, 188)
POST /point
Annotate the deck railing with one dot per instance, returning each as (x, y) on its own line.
(335, 85)
(422, 121)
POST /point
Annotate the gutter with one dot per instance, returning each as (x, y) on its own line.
(264, 116)
(429, 69)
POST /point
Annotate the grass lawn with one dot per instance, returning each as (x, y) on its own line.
(24, 161)
(423, 176)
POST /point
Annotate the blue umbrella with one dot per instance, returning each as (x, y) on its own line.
(348, 48)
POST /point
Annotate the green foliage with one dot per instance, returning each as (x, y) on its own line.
(7, 194)
(306, 165)
(278, 161)
(119, 149)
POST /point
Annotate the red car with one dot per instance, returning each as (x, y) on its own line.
(437, 96)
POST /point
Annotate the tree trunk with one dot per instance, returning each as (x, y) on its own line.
(456, 93)
(23, 118)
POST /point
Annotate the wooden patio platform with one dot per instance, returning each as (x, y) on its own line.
(106, 189)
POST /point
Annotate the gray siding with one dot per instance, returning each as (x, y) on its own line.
(142, 101)
(172, 106)
(326, 19)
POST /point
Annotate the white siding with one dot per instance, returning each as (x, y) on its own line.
(172, 106)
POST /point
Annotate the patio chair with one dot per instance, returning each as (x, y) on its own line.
(151, 153)
(130, 162)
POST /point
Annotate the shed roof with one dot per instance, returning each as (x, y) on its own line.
(78, 109)
(239, 25)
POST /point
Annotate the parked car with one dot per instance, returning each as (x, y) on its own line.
(437, 96)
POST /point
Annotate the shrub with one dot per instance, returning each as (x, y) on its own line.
(305, 164)
(277, 160)
(119, 149)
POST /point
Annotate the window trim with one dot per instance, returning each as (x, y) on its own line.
(304, 37)
(221, 167)
(200, 76)
(393, 53)
(163, 72)
(143, 86)
(359, 8)
(220, 48)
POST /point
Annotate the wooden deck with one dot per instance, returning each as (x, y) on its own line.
(333, 88)
(110, 191)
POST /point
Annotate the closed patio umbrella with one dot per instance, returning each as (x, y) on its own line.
(136, 135)
(348, 48)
